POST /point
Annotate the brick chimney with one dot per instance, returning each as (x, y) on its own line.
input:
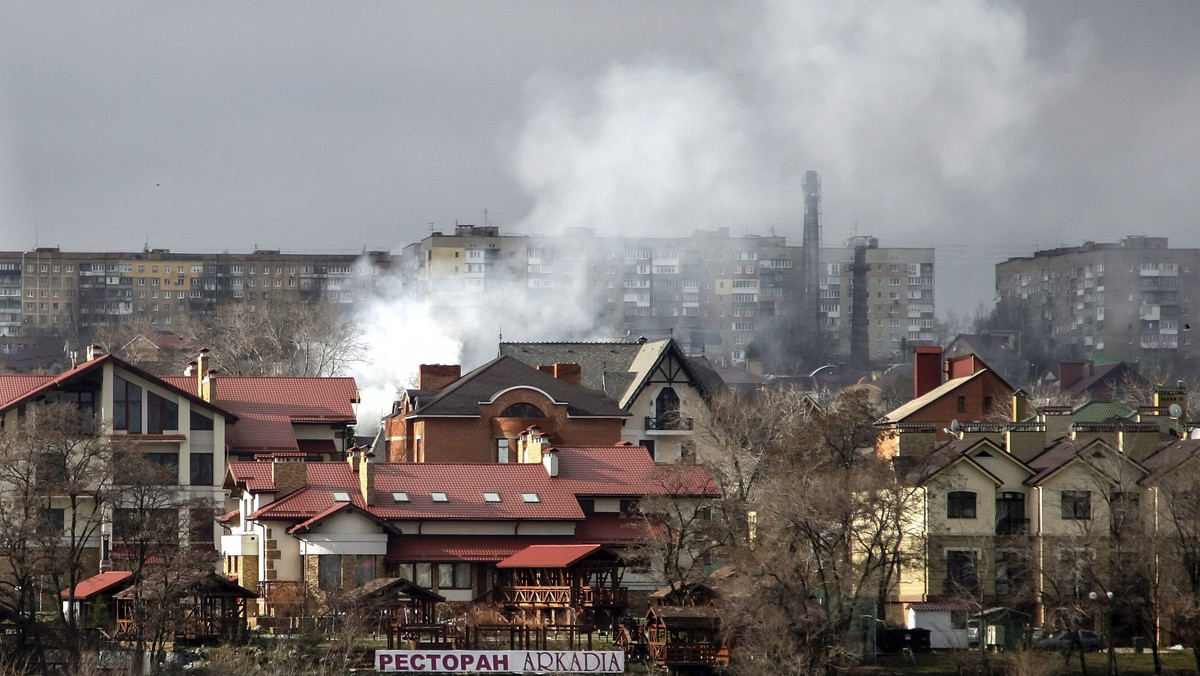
(1069, 373)
(366, 479)
(437, 376)
(288, 476)
(571, 374)
(208, 386)
(927, 369)
(961, 367)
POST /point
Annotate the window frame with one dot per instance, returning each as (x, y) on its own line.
(956, 507)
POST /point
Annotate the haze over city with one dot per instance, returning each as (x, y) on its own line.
(984, 129)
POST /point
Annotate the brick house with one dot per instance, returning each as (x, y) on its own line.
(479, 417)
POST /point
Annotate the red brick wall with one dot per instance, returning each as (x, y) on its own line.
(945, 409)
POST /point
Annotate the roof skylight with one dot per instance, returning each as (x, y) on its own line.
(400, 496)
(341, 496)
(530, 497)
(439, 496)
(491, 496)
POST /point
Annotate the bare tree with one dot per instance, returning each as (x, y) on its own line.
(285, 337)
(679, 536)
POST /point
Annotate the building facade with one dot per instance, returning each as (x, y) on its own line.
(1130, 300)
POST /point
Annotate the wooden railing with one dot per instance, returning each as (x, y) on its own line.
(563, 596)
(687, 654)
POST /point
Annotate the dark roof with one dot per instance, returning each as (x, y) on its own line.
(1102, 376)
(1170, 457)
(463, 396)
(391, 589)
(617, 369)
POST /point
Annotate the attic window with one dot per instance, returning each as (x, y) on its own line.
(489, 496)
(400, 496)
(983, 454)
(530, 497)
(438, 496)
(341, 496)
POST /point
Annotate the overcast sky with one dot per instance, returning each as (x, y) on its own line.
(985, 129)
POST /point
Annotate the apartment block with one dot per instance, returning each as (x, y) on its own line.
(1130, 300)
(714, 293)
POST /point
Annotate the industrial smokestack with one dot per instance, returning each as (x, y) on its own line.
(810, 317)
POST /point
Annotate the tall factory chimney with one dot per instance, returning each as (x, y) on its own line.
(810, 318)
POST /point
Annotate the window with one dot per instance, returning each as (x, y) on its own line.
(439, 496)
(423, 575)
(629, 506)
(168, 464)
(587, 506)
(400, 496)
(987, 404)
(961, 576)
(1076, 505)
(491, 496)
(200, 470)
(364, 569)
(454, 576)
(127, 406)
(200, 526)
(530, 497)
(1010, 513)
(201, 422)
(161, 414)
(522, 410)
(962, 404)
(341, 496)
(329, 571)
(502, 450)
(54, 518)
(649, 444)
(960, 505)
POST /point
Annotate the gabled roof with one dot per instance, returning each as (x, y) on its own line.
(620, 370)
(113, 580)
(1066, 451)
(391, 589)
(899, 414)
(22, 388)
(960, 450)
(1170, 458)
(463, 397)
(267, 406)
(1101, 411)
(554, 556)
(1101, 376)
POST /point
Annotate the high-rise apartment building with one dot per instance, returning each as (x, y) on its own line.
(1129, 300)
(715, 293)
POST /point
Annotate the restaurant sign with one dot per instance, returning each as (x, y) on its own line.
(501, 661)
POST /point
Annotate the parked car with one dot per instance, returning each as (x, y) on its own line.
(1090, 641)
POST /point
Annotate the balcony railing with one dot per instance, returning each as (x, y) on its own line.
(563, 596)
(668, 423)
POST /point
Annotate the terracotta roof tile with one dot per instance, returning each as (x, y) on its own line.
(550, 556)
(464, 485)
(97, 584)
(254, 476)
(627, 471)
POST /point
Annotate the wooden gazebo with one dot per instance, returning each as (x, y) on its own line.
(93, 598)
(552, 578)
(402, 607)
(685, 637)
(206, 607)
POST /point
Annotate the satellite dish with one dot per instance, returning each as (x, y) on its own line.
(1195, 433)
(1176, 411)
(955, 426)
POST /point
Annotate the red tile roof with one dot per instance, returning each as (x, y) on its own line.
(550, 556)
(253, 476)
(266, 406)
(462, 548)
(464, 485)
(96, 584)
(627, 471)
(17, 386)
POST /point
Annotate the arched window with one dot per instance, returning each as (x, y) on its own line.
(960, 505)
(666, 407)
(522, 410)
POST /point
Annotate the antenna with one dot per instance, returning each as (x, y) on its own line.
(955, 426)
(1176, 411)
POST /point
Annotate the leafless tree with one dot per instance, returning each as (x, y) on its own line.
(285, 337)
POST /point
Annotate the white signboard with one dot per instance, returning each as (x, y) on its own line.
(501, 661)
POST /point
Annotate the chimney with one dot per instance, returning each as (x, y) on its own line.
(94, 352)
(437, 376)
(201, 367)
(189, 369)
(1069, 373)
(366, 479)
(927, 369)
(550, 461)
(288, 476)
(961, 367)
(571, 374)
(1020, 405)
(208, 386)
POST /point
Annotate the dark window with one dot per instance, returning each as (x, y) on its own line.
(1011, 572)
(1010, 513)
(127, 406)
(961, 574)
(200, 527)
(687, 451)
(649, 444)
(201, 422)
(147, 526)
(169, 464)
(55, 519)
(522, 410)
(1076, 505)
(201, 469)
(364, 569)
(987, 404)
(161, 414)
(960, 505)
(962, 404)
(666, 407)
(587, 505)
(629, 506)
(329, 571)
(1124, 510)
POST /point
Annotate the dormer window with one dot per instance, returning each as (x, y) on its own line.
(490, 496)
(400, 496)
(530, 497)
(439, 496)
(341, 496)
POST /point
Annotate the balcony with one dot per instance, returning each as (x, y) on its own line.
(561, 596)
(668, 423)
